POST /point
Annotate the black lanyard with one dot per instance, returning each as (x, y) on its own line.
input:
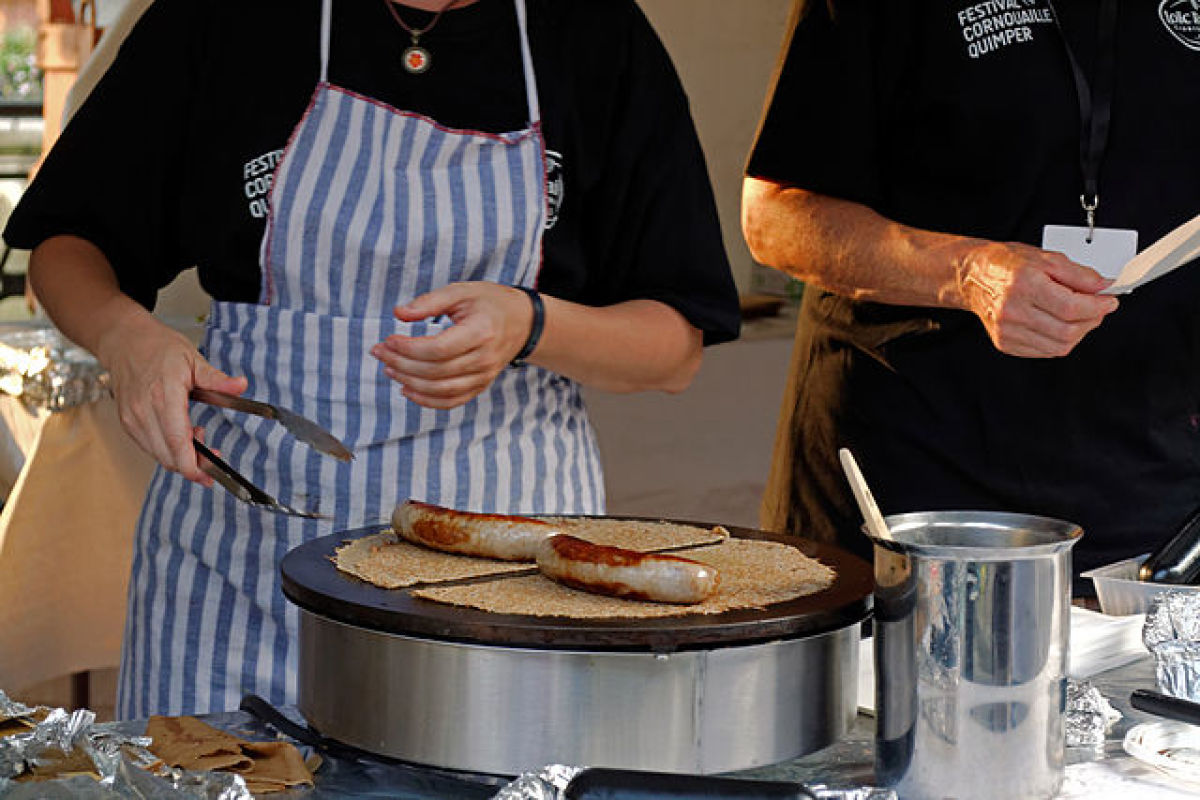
(1095, 104)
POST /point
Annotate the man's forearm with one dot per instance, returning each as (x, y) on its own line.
(1032, 302)
(847, 248)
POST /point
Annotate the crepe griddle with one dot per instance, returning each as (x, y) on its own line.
(313, 582)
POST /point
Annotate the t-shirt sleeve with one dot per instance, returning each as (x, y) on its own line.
(653, 215)
(820, 128)
(110, 177)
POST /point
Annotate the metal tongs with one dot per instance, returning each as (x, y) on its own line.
(303, 429)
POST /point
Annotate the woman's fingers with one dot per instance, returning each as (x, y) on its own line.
(449, 368)
(152, 377)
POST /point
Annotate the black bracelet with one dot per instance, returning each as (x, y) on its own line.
(535, 330)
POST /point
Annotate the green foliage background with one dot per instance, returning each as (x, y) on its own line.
(20, 79)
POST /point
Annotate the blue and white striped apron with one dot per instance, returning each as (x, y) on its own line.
(371, 207)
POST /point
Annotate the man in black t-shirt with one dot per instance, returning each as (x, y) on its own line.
(919, 166)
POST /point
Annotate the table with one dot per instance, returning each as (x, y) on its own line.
(1115, 776)
(847, 763)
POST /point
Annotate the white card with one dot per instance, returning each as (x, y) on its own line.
(1177, 248)
(1108, 252)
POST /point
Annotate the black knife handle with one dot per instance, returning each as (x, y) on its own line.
(1164, 705)
(1176, 560)
(600, 783)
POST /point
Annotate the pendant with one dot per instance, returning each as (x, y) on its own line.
(416, 59)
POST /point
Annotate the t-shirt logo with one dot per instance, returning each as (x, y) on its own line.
(1182, 18)
(994, 25)
(258, 175)
(555, 186)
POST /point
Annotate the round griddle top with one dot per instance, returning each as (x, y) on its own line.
(315, 584)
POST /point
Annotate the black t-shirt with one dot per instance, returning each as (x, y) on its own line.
(916, 110)
(169, 162)
(963, 117)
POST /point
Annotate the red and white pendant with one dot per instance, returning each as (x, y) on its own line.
(416, 59)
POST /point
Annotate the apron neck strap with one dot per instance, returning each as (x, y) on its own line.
(326, 15)
(531, 93)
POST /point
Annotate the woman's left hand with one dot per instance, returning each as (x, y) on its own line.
(448, 369)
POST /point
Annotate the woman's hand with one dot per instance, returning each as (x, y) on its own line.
(1033, 303)
(448, 369)
(153, 368)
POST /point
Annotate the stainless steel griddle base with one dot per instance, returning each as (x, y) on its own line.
(506, 710)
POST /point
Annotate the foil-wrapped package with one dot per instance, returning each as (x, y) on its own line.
(1172, 635)
(45, 370)
(552, 783)
(72, 757)
(1089, 716)
(547, 783)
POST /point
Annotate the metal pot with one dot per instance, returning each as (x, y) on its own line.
(971, 636)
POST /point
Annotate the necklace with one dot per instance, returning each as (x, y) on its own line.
(416, 59)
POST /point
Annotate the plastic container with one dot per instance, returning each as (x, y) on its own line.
(1121, 593)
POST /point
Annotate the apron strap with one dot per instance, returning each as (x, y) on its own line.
(326, 6)
(531, 95)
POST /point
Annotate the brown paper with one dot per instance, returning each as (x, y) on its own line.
(60, 765)
(275, 764)
(192, 744)
(10, 726)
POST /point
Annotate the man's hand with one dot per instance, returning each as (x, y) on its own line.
(153, 368)
(448, 369)
(1033, 303)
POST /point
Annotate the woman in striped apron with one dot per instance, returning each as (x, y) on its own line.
(401, 212)
(390, 309)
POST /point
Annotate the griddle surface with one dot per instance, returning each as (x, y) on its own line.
(314, 583)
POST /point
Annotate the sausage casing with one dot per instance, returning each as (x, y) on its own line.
(625, 573)
(508, 538)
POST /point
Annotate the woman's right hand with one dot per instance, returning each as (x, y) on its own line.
(153, 367)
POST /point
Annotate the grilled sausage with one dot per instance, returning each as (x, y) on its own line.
(499, 536)
(625, 573)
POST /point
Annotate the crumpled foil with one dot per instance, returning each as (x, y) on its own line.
(1089, 716)
(550, 783)
(1172, 635)
(547, 783)
(11, 709)
(45, 370)
(125, 766)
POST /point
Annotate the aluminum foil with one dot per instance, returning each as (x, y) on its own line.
(123, 764)
(1172, 635)
(45, 370)
(545, 784)
(11, 709)
(550, 783)
(1089, 716)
